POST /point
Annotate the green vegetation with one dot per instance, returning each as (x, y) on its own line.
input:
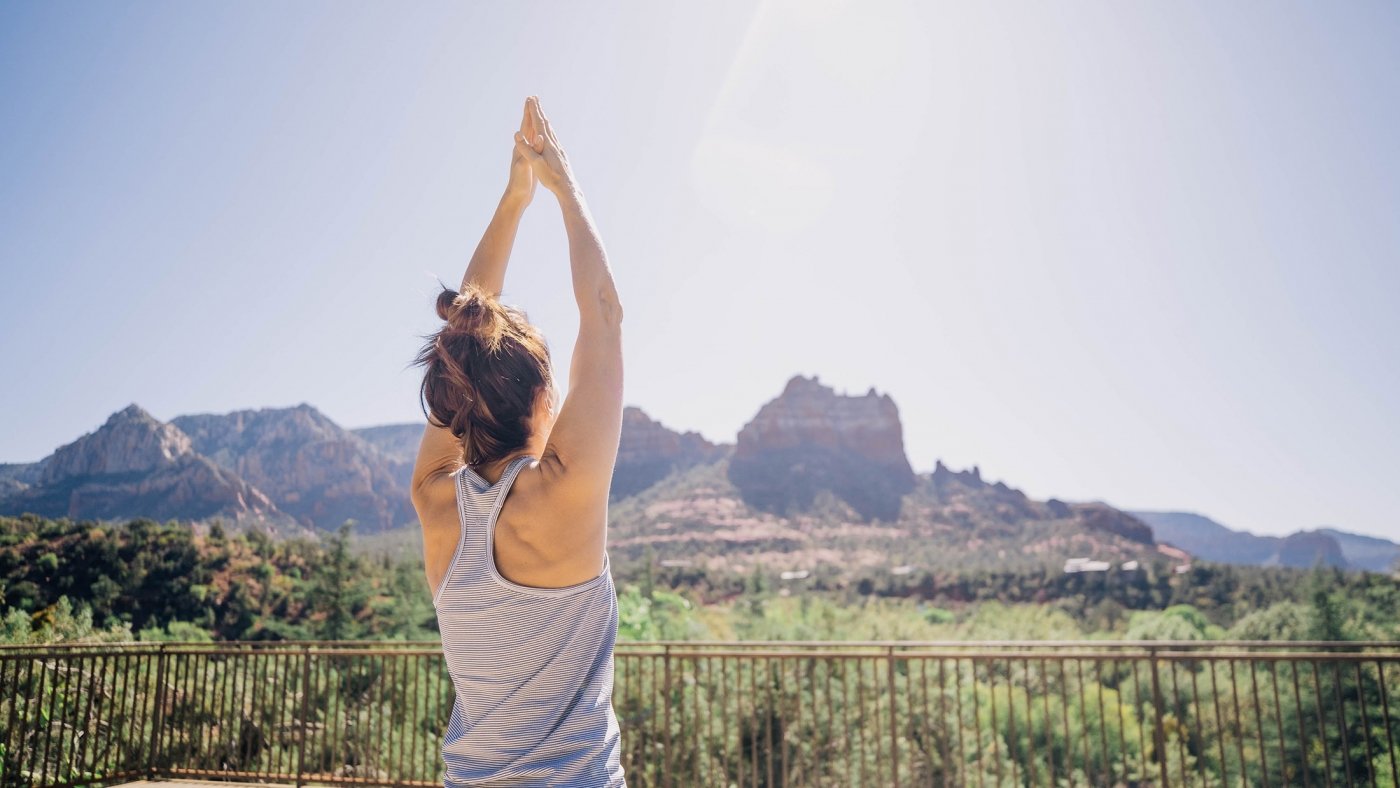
(154, 581)
(990, 720)
(157, 581)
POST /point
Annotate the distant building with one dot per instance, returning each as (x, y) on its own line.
(797, 574)
(902, 570)
(1129, 566)
(1073, 565)
(676, 562)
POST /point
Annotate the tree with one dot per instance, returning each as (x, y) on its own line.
(336, 591)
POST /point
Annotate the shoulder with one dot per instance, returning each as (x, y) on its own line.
(528, 498)
(435, 499)
(544, 535)
(549, 494)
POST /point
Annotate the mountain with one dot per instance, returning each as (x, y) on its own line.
(15, 476)
(949, 522)
(675, 497)
(134, 466)
(819, 481)
(1212, 541)
(649, 452)
(810, 438)
(1309, 548)
(815, 479)
(1204, 537)
(1366, 552)
(398, 442)
(317, 471)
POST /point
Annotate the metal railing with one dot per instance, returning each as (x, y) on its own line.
(730, 714)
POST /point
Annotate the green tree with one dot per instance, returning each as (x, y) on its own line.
(337, 593)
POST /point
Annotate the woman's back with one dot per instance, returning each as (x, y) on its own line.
(532, 668)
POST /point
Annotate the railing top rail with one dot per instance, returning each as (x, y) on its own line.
(967, 648)
(158, 644)
(984, 655)
(1029, 644)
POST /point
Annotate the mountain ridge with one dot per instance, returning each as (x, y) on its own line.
(795, 471)
(134, 464)
(1214, 541)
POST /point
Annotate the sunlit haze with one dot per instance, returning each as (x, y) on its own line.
(1139, 253)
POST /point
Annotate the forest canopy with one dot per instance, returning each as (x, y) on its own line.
(61, 579)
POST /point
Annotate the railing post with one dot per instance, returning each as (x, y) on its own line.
(1159, 728)
(666, 702)
(159, 711)
(305, 698)
(894, 714)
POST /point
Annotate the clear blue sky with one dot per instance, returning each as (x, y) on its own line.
(1145, 253)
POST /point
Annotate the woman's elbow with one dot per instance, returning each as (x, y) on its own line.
(607, 307)
(612, 311)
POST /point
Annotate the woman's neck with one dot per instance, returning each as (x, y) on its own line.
(491, 472)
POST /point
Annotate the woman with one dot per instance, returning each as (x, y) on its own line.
(515, 538)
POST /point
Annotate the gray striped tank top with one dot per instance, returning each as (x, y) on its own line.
(532, 668)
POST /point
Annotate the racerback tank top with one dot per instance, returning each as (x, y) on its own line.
(532, 668)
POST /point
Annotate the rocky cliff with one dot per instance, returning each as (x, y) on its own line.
(316, 471)
(130, 441)
(135, 466)
(16, 476)
(648, 452)
(810, 438)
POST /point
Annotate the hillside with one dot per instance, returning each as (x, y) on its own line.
(697, 520)
(235, 585)
(314, 469)
(135, 466)
(1208, 539)
(819, 483)
(286, 470)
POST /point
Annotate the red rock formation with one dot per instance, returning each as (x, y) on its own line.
(810, 438)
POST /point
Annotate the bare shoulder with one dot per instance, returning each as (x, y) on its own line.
(547, 534)
(435, 501)
(433, 496)
(545, 494)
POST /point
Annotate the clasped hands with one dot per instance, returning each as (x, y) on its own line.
(538, 156)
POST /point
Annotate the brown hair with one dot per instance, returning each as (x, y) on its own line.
(484, 370)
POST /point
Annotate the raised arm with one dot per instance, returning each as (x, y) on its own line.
(439, 451)
(581, 450)
(488, 264)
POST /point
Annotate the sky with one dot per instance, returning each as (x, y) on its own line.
(1141, 253)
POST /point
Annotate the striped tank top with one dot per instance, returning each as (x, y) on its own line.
(532, 668)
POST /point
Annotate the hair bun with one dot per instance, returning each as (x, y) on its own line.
(472, 311)
(445, 301)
